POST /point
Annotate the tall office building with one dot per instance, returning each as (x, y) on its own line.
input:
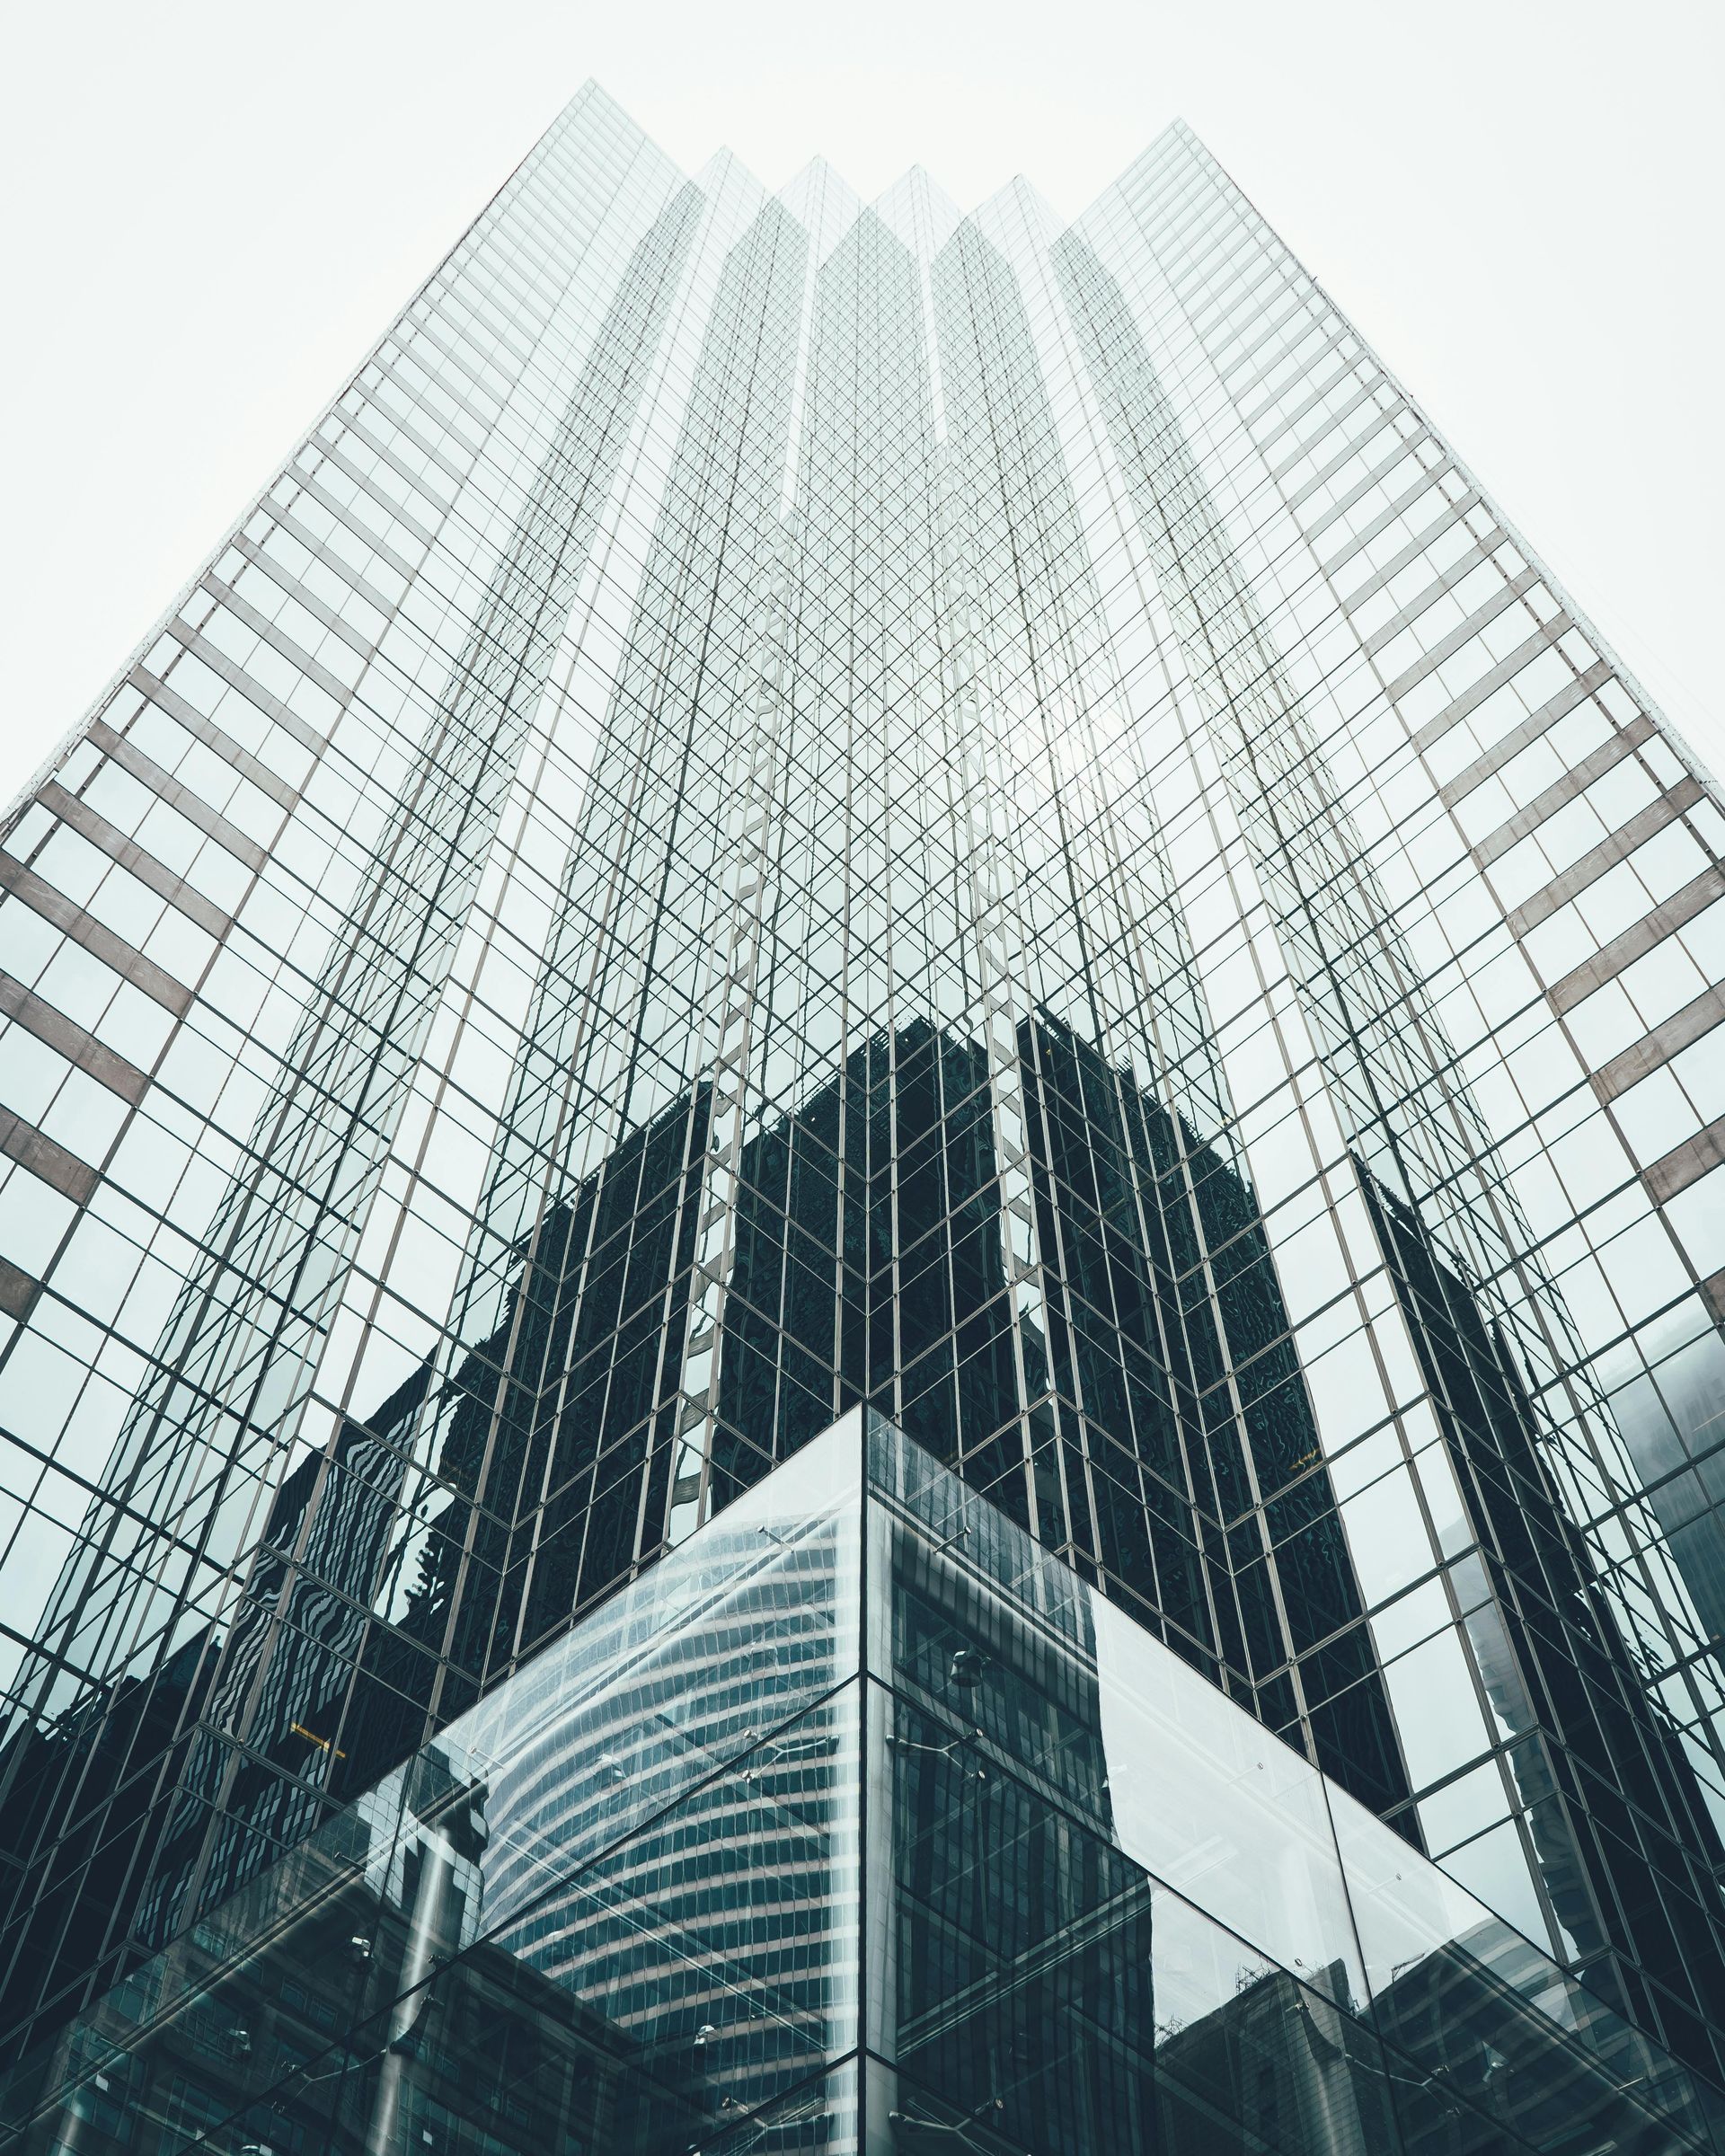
(794, 807)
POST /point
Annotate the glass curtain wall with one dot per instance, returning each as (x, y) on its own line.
(860, 1821)
(794, 806)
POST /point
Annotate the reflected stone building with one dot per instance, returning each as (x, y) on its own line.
(795, 810)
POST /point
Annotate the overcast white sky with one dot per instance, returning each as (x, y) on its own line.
(215, 209)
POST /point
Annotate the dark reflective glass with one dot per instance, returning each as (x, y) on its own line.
(657, 1890)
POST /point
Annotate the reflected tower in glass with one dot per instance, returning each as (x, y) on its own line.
(858, 1821)
(793, 807)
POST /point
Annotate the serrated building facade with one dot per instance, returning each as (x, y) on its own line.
(794, 804)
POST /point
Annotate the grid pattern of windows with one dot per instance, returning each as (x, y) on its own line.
(857, 1821)
(792, 804)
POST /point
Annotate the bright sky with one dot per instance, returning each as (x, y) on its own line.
(215, 209)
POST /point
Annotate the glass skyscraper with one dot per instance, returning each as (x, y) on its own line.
(798, 814)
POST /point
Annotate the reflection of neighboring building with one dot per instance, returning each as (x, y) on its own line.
(1551, 1648)
(1134, 1434)
(1019, 1962)
(1014, 1968)
(1460, 2013)
(1300, 2072)
(1167, 1320)
(307, 2046)
(1138, 1434)
(1681, 1483)
(283, 1668)
(1462, 2058)
(843, 1773)
(747, 1850)
(93, 1749)
(555, 1432)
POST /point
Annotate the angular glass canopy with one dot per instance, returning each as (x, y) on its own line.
(857, 1821)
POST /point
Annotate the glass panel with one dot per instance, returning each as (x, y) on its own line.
(616, 1902)
(1449, 1977)
(621, 1905)
(1085, 1835)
